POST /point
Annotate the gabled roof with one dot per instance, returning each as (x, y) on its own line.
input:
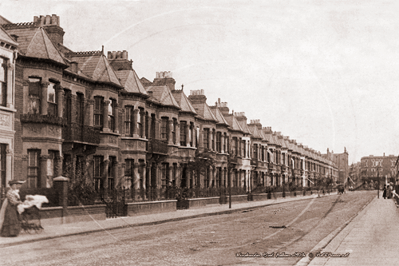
(163, 95)
(219, 116)
(207, 114)
(275, 140)
(244, 126)
(3, 20)
(282, 142)
(34, 42)
(183, 101)
(268, 137)
(253, 129)
(130, 81)
(233, 123)
(96, 66)
(204, 111)
(5, 37)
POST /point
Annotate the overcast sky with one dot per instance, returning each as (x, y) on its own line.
(325, 73)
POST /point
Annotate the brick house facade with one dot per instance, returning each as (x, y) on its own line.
(8, 55)
(87, 113)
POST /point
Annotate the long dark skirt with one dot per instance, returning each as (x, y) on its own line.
(384, 195)
(12, 222)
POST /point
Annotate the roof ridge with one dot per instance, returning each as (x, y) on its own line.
(107, 70)
(44, 40)
(84, 53)
(10, 26)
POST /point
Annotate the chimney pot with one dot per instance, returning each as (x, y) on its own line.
(42, 20)
(54, 19)
(109, 55)
(48, 20)
(125, 55)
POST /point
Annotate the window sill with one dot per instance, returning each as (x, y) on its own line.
(108, 132)
(184, 147)
(133, 138)
(8, 109)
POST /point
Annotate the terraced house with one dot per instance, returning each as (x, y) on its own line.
(88, 114)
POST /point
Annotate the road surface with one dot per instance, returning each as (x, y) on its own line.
(289, 227)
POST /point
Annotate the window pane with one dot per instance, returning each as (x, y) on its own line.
(3, 70)
(51, 93)
(34, 87)
(3, 93)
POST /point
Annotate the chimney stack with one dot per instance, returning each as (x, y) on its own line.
(165, 78)
(119, 60)
(197, 96)
(222, 107)
(51, 24)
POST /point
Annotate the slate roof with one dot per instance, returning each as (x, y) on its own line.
(5, 37)
(275, 140)
(96, 66)
(34, 42)
(219, 116)
(233, 123)
(163, 95)
(282, 142)
(130, 81)
(183, 101)
(204, 111)
(253, 129)
(3, 20)
(244, 126)
(269, 138)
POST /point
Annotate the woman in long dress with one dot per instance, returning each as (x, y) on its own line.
(10, 222)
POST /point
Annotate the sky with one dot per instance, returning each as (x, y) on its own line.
(325, 73)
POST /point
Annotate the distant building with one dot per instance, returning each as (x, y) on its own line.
(374, 167)
(342, 163)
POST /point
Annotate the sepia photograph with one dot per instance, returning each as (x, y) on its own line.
(224, 132)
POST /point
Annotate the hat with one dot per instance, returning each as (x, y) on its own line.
(12, 182)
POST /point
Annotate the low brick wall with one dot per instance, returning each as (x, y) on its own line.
(86, 213)
(137, 208)
(239, 198)
(51, 216)
(257, 197)
(55, 215)
(201, 202)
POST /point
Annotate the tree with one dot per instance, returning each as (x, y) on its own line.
(80, 188)
(199, 164)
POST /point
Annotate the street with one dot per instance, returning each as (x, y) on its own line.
(289, 227)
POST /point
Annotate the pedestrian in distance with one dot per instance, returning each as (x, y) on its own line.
(10, 221)
(384, 193)
(389, 192)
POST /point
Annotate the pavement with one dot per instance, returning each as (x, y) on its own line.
(370, 238)
(70, 229)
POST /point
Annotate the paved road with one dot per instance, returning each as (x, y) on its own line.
(211, 240)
